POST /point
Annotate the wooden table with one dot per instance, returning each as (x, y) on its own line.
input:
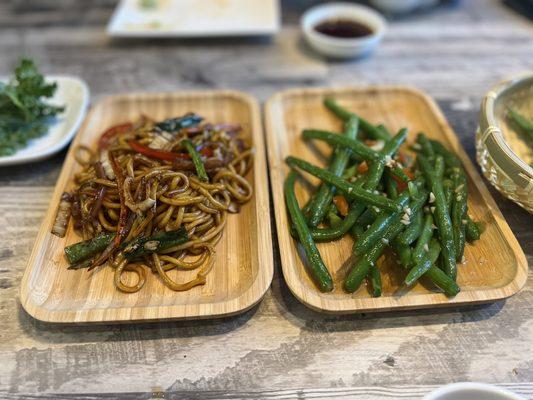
(279, 349)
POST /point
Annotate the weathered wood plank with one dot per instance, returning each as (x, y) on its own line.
(279, 349)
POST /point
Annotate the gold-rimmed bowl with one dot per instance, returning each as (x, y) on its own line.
(503, 153)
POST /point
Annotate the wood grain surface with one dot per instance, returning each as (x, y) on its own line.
(494, 268)
(241, 273)
(279, 349)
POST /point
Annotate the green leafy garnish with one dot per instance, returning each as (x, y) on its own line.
(24, 114)
(521, 124)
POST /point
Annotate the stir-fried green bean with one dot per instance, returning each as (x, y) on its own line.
(378, 227)
(359, 148)
(472, 230)
(337, 167)
(384, 200)
(413, 230)
(423, 240)
(459, 208)
(375, 280)
(196, 160)
(424, 264)
(352, 191)
(369, 129)
(425, 144)
(316, 266)
(442, 217)
(363, 265)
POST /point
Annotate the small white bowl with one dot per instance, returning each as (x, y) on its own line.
(472, 391)
(342, 47)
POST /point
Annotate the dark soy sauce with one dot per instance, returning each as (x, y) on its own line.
(343, 28)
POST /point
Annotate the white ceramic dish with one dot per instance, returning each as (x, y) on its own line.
(403, 6)
(472, 391)
(71, 92)
(194, 18)
(342, 47)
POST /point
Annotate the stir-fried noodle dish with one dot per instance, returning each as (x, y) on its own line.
(155, 197)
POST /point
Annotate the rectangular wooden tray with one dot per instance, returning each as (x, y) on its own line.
(243, 268)
(496, 266)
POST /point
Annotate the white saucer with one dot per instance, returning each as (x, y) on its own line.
(72, 93)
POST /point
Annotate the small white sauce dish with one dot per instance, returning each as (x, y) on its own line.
(472, 391)
(73, 94)
(342, 48)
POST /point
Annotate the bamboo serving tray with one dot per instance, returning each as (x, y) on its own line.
(496, 266)
(243, 262)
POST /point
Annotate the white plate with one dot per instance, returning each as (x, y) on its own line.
(72, 93)
(194, 18)
(472, 391)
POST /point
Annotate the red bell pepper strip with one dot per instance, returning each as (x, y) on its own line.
(402, 185)
(165, 155)
(106, 137)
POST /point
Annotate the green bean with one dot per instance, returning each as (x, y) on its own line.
(344, 142)
(375, 280)
(423, 240)
(439, 167)
(143, 246)
(350, 172)
(332, 233)
(363, 265)
(317, 268)
(367, 217)
(442, 217)
(378, 227)
(380, 222)
(353, 192)
(363, 222)
(459, 207)
(196, 160)
(404, 254)
(427, 147)
(375, 171)
(525, 126)
(424, 264)
(336, 231)
(333, 219)
(391, 186)
(384, 129)
(413, 230)
(399, 173)
(447, 187)
(443, 281)
(472, 230)
(86, 249)
(340, 159)
(369, 129)
(356, 231)
(450, 159)
(434, 274)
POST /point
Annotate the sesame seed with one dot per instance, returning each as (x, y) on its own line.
(431, 197)
(426, 247)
